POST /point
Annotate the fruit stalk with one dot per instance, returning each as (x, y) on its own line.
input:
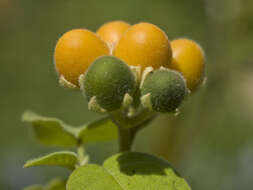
(125, 139)
(129, 126)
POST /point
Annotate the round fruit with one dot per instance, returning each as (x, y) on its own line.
(188, 58)
(144, 45)
(108, 79)
(164, 90)
(75, 51)
(111, 32)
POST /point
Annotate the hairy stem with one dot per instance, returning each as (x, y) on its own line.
(130, 122)
(125, 139)
(83, 158)
(129, 126)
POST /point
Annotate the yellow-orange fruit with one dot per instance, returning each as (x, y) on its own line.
(144, 45)
(189, 59)
(75, 51)
(111, 32)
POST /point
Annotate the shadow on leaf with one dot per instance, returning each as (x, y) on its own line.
(134, 163)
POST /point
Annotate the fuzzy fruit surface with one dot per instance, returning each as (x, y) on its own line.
(111, 32)
(188, 59)
(109, 79)
(167, 90)
(75, 51)
(144, 45)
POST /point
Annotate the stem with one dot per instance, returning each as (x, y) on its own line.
(131, 122)
(80, 152)
(142, 125)
(82, 157)
(125, 139)
(129, 126)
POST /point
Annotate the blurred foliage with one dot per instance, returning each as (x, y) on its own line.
(210, 142)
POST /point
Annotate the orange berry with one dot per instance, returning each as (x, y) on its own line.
(144, 45)
(75, 51)
(111, 32)
(188, 58)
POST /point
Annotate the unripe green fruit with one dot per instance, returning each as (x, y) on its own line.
(163, 90)
(109, 80)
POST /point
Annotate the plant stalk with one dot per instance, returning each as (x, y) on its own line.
(129, 126)
(125, 139)
(83, 158)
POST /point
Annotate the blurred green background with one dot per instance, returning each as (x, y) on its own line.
(210, 142)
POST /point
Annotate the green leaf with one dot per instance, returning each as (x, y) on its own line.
(34, 187)
(56, 184)
(143, 171)
(51, 131)
(92, 177)
(128, 171)
(64, 159)
(99, 131)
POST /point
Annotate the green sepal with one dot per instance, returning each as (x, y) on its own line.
(64, 159)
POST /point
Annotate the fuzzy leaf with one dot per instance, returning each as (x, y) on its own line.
(140, 171)
(34, 187)
(51, 131)
(98, 131)
(128, 171)
(63, 159)
(92, 177)
(56, 184)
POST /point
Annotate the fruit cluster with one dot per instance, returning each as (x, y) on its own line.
(121, 66)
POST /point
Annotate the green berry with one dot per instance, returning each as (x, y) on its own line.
(163, 90)
(108, 80)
